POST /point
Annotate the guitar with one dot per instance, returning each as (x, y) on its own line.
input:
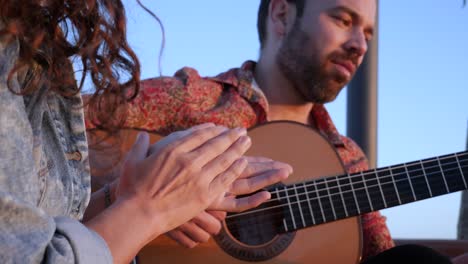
(317, 208)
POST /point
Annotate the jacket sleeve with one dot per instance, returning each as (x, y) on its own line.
(27, 233)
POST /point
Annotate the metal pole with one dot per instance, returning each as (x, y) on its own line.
(463, 218)
(362, 101)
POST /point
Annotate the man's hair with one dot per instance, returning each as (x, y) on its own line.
(91, 34)
(263, 15)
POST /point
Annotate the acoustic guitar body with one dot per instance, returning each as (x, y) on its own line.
(312, 157)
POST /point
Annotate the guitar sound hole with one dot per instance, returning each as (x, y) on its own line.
(255, 227)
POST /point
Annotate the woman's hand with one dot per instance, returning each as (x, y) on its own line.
(260, 173)
(167, 184)
(183, 173)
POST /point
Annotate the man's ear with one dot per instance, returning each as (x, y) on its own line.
(279, 11)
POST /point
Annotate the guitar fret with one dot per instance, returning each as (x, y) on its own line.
(320, 204)
(308, 202)
(354, 194)
(342, 197)
(464, 166)
(329, 196)
(290, 208)
(443, 175)
(315, 203)
(380, 187)
(394, 185)
(300, 207)
(373, 190)
(285, 225)
(417, 179)
(461, 171)
(367, 191)
(348, 195)
(402, 183)
(410, 183)
(285, 220)
(427, 181)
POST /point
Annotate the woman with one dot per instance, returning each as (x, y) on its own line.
(44, 171)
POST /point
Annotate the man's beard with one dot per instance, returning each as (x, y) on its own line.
(307, 73)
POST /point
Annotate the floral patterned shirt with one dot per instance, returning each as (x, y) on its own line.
(167, 104)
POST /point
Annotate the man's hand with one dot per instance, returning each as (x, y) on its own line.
(199, 229)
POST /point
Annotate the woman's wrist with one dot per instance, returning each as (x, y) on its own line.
(125, 227)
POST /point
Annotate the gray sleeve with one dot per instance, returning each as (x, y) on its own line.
(27, 233)
(79, 242)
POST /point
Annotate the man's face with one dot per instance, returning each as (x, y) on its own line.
(321, 52)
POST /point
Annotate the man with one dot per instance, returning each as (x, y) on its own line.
(309, 51)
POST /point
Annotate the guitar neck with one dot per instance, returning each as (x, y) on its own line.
(333, 198)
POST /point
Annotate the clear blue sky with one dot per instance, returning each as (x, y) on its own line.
(423, 79)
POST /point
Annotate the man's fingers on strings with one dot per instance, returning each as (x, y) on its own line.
(208, 222)
(194, 232)
(181, 238)
(220, 215)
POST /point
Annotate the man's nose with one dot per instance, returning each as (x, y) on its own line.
(357, 43)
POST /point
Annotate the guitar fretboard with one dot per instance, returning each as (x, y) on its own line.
(334, 198)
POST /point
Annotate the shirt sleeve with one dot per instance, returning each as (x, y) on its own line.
(27, 233)
(376, 235)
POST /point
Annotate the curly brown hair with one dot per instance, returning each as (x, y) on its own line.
(54, 34)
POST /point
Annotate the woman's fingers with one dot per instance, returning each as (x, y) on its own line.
(220, 184)
(223, 163)
(231, 144)
(258, 165)
(260, 181)
(187, 140)
(233, 204)
(139, 149)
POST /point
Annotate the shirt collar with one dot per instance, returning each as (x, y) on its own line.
(244, 81)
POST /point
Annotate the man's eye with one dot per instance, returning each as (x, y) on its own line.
(343, 21)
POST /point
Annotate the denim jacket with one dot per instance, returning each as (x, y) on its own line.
(44, 175)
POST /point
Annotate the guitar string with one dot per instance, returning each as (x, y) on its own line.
(333, 200)
(423, 183)
(344, 192)
(375, 191)
(273, 217)
(351, 176)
